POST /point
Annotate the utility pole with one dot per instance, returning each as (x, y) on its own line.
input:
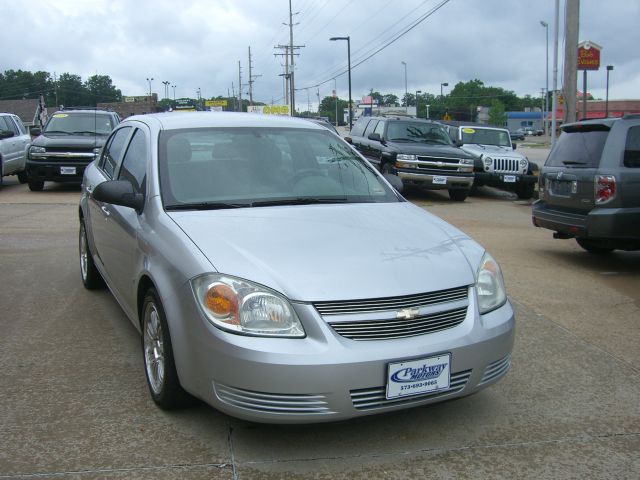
(571, 28)
(292, 47)
(554, 98)
(318, 94)
(286, 74)
(251, 79)
(233, 92)
(239, 87)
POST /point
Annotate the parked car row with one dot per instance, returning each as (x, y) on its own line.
(441, 155)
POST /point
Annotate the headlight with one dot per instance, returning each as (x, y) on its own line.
(466, 161)
(488, 161)
(244, 307)
(402, 156)
(490, 285)
(523, 163)
(33, 149)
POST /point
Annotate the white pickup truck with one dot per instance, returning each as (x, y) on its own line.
(14, 145)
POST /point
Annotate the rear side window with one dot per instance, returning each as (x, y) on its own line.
(632, 148)
(579, 147)
(358, 128)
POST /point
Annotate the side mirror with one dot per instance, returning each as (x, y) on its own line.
(348, 140)
(395, 181)
(6, 134)
(119, 192)
(375, 136)
(514, 145)
(458, 143)
(35, 131)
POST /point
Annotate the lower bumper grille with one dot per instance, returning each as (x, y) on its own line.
(277, 403)
(496, 369)
(371, 398)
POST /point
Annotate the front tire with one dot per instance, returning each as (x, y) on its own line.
(91, 278)
(458, 194)
(36, 185)
(160, 368)
(593, 246)
(22, 177)
(524, 191)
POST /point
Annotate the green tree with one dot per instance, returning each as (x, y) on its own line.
(71, 90)
(328, 109)
(390, 100)
(497, 114)
(100, 89)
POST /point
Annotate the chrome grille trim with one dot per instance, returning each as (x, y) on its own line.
(509, 165)
(390, 303)
(277, 403)
(400, 328)
(496, 369)
(372, 398)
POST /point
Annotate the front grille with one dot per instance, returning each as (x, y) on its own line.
(70, 150)
(496, 369)
(390, 303)
(372, 398)
(509, 165)
(400, 328)
(277, 403)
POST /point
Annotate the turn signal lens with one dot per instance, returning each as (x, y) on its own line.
(605, 188)
(222, 301)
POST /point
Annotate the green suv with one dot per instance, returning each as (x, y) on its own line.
(589, 187)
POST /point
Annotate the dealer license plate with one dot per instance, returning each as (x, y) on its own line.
(67, 170)
(439, 180)
(418, 377)
(509, 179)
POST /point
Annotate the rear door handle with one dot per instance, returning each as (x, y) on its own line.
(105, 210)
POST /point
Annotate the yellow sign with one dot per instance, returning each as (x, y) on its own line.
(468, 130)
(270, 109)
(215, 103)
(447, 117)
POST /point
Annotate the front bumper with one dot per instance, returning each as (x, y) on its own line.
(599, 223)
(426, 180)
(326, 377)
(497, 179)
(53, 170)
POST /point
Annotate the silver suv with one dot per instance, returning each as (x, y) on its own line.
(14, 144)
(590, 185)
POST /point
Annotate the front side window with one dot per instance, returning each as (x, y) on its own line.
(359, 127)
(485, 136)
(134, 163)
(85, 123)
(417, 132)
(112, 151)
(579, 146)
(632, 148)
(250, 167)
(4, 124)
(371, 127)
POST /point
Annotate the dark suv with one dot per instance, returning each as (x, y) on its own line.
(419, 151)
(589, 186)
(70, 140)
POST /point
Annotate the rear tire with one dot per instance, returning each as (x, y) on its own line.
(36, 185)
(593, 246)
(458, 194)
(160, 368)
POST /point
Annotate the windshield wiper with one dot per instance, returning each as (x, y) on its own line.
(299, 201)
(402, 140)
(83, 132)
(572, 162)
(57, 131)
(205, 206)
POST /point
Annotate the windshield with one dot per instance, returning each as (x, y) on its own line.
(88, 123)
(417, 132)
(485, 136)
(210, 168)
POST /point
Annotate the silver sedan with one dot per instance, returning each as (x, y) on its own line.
(276, 275)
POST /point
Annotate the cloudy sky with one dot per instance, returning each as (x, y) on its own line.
(198, 43)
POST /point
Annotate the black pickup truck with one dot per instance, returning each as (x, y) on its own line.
(589, 187)
(420, 152)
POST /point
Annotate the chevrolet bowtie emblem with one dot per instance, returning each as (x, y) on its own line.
(408, 313)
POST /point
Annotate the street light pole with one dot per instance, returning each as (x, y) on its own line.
(546, 64)
(335, 94)
(150, 80)
(406, 94)
(418, 92)
(606, 102)
(174, 92)
(445, 84)
(348, 39)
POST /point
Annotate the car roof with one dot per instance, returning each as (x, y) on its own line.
(178, 120)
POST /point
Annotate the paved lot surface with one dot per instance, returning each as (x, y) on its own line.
(74, 403)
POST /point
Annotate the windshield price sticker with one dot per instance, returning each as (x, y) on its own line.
(417, 377)
(468, 130)
(439, 180)
(509, 178)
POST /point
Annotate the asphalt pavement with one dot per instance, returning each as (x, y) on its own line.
(74, 402)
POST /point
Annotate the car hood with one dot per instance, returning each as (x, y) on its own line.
(428, 149)
(334, 252)
(69, 141)
(477, 150)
